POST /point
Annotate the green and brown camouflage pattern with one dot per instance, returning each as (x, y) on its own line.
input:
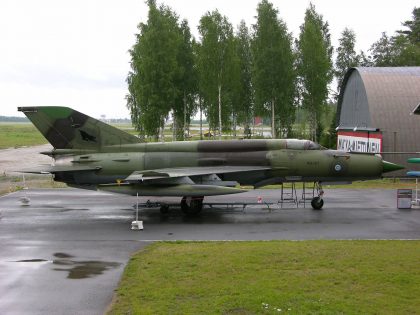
(66, 128)
(109, 156)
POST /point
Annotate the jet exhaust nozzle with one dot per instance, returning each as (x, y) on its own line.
(390, 167)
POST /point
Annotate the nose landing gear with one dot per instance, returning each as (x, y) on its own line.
(317, 202)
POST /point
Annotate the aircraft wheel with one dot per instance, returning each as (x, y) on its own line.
(164, 209)
(317, 203)
(191, 206)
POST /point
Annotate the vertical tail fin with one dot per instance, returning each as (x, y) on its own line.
(66, 128)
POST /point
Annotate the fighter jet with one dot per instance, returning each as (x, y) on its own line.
(90, 154)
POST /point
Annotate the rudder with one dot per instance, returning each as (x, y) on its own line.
(66, 128)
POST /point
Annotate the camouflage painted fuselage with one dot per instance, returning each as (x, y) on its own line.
(115, 163)
(91, 154)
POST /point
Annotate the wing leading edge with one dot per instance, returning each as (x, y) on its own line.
(190, 181)
(167, 173)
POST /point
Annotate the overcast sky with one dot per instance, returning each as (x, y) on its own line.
(74, 53)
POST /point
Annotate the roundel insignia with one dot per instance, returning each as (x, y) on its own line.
(339, 167)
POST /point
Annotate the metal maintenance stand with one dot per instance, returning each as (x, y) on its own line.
(137, 225)
(416, 201)
(416, 175)
(288, 196)
(25, 200)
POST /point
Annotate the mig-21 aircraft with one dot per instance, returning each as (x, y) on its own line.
(90, 154)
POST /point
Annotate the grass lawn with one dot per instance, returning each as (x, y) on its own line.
(276, 277)
(25, 134)
(19, 134)
(10, 184)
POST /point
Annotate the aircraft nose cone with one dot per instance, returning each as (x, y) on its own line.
(390, 167)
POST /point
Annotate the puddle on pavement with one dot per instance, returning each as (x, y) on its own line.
(73, 209)
(64, 209)
(82, 269)
(31, 260)
(76, 269)
(62, 255)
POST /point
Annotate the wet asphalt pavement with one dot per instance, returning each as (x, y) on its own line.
(66, 251)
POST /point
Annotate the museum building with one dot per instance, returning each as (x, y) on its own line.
(375, 113)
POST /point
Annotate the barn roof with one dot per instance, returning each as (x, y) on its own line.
(392, 93)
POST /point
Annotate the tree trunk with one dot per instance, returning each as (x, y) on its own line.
(174, 127)
(313, 120)
(185, 117)
(247, 131)
(201, 118)
(162, 131)
(273, 126)
(234, 125)
(220, 112)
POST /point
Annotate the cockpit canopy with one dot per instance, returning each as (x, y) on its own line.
(297, 144)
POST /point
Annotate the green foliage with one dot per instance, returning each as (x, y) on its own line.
(234, 77)
(153, 88)
(346, 55)
(185, 104)
(241, 85)
(329, 137)
(215, 63)
(308, 277)
(274, 75)
(413, 31)
(402, 49)
(383, 52)
(314, 66)
(395, 51)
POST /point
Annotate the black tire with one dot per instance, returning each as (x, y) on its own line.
(317, 203)
(192, 206)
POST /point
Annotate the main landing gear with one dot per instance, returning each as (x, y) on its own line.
(192, 205)
(318, 202)
(189, 205)
(164, 209)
